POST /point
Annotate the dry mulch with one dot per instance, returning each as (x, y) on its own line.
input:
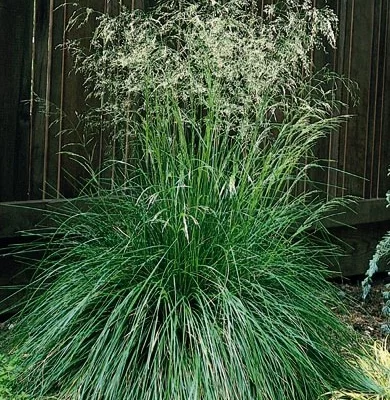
(365, 317)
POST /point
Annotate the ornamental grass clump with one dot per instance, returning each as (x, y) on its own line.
(192, 266)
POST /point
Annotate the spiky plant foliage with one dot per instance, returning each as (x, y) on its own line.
(382, 251)
(377, 366)
(197, 271)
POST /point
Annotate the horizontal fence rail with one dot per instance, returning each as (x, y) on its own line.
(41, 97)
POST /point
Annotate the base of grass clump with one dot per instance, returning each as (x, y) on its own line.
(125, 313)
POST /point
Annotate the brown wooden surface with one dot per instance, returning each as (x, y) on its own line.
(334, 175)
(21, 216)
(41, 104)
(15, 73)
(359, 246)
(362, 150)
(74, 103)
(358, 154)
(55, 87)
(383, 180)
(16, 217)
(361, 212)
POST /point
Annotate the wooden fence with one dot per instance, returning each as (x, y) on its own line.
(362, 147)
(33, 65)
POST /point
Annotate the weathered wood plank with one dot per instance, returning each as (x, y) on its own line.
(359, 246)
(41, 105)
(362, 212)
(15, 48)
(75, 101)
(324, 58)
(54, 90)
(334, 172)
(357, 55)
(19, 216)
(383, 154)
(374, 110)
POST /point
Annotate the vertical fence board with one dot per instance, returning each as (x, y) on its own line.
(344, 68)
(112, 7)
(373, 107)
(15, 78)
(379, 70)
(357, 67)
(334, 175)
(383, 180)
(54, 88)
(324, 58)
(75, 102)
(39, 87)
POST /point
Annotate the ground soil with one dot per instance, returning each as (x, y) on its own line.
(364, 316)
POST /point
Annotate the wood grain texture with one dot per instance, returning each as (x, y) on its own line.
(383, 155)
(15, 77)
(19, 216)
(358, 153)
(39, 138)
(359, 246)
(375, 103)
(75, 103)
(55, 87)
